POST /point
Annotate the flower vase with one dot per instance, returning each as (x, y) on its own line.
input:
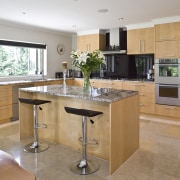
(86, 83)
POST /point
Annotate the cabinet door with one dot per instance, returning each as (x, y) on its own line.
(91, 42)
(167, 49)
(133, 42)
(5, 96)
(140, 41)
(5, 103)
(147, 41)
(167, 31)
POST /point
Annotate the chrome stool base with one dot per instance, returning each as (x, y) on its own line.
(90, 168)
(39, 148)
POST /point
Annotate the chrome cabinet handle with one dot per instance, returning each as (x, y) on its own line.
(142, 95)
(143, 47)
(4, 108)
(167, 38)
(137, 84)
(166, 107)
(139, 45)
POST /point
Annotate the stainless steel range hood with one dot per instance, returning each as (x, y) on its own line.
(116, 41)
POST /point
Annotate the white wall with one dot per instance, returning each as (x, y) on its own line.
(51, 39)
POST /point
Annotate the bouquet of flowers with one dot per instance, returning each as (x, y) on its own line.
(87, 62)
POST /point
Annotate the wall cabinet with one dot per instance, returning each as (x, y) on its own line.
(167, 31)
(167, 49)
(167, 40)
(91, 42)
(5, 103)
(140, 41)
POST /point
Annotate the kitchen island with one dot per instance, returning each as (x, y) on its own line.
(116, 130)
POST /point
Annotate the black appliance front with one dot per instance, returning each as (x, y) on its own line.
(168, 94)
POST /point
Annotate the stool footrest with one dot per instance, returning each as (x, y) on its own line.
(90, 141)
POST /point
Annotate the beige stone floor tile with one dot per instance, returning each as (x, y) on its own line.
(158, 157)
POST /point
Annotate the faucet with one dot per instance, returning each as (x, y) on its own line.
(42, 73)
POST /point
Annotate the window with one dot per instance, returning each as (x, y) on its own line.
(21, 58)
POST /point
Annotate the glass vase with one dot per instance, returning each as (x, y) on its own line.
(86, 82)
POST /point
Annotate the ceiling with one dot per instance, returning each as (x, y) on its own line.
(82, 15)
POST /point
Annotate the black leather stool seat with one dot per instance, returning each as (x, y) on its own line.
(33, 101)
(82, 112)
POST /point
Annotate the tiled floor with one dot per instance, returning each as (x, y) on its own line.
(157, 159)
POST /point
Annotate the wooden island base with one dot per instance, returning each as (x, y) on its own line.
(117, 129)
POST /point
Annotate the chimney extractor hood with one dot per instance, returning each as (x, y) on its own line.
(116, 41)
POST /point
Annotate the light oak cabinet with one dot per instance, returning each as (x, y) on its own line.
(167, 38)
(167, 49)
(167, 31)
(140, 41)
(5, 103)
(102, 83)
(169, 111)
(45, 83)
(146, 95)
(91, 42)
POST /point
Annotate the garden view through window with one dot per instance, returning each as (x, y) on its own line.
(21, 58)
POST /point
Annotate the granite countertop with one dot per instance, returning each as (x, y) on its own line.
(15, 82)
(95, 94)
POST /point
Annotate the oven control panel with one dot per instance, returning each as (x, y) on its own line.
(169, 61)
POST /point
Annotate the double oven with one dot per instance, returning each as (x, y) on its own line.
(167, 81)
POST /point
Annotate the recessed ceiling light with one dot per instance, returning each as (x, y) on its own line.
(103, 10)
(121, 19)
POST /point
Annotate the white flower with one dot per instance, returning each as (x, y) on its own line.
(87, 61)
(82, 57)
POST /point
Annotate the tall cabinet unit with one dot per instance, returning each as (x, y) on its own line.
(167, 37)
(140, 41)
(91, 42)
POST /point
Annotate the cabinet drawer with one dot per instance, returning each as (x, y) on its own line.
(146, 98)
(138, 86)
(117, 85)
(164, 110)
(5, 88)
(6, 112)
(147, 108)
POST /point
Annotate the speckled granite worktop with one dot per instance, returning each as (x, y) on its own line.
(95, 94)
(26, 81)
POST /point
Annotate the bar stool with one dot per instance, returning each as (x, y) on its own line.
(84, 166)
(36, 146)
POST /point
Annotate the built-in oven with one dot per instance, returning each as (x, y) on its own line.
(167, 71)
(167, 80)
(168, 94)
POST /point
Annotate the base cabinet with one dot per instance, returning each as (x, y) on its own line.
(165, 110)
(146, 95)
(5, 103)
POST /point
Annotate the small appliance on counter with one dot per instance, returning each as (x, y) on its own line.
(59, 75)
(77, 74)
(150, 75)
